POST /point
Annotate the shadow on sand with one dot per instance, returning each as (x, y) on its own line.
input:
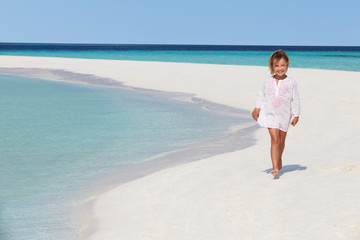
(287, 168)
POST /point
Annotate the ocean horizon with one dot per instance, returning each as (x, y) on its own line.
(195, 47)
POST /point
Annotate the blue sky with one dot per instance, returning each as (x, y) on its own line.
(228, 22)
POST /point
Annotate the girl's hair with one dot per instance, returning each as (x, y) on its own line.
(276, 56)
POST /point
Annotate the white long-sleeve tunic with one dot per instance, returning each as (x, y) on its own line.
(278, 103)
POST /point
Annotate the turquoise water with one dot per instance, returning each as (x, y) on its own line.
(56, 137)
(348, 61)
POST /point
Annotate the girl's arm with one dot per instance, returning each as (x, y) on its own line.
(261, 96)
(259, 101)
(295, 105)
(255, 113)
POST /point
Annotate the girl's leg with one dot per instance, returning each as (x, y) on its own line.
(282, 146)
(277, 148)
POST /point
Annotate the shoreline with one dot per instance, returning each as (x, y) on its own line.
(224, 142)
(238, 137)
(230, 194)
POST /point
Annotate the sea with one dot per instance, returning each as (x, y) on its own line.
(58, 137)
(346, 58)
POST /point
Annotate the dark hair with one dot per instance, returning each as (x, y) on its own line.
(276, 56)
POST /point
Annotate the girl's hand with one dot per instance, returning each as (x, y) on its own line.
(255, 113)
(294, 121)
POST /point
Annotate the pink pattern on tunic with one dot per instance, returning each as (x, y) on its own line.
(277, 103)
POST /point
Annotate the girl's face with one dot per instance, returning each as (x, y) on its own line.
(280, 67)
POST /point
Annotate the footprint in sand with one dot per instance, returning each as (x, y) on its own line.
(350, 168)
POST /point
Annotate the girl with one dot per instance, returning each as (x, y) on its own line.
(277, 103)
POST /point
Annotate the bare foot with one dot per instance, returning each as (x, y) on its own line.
(275, 172)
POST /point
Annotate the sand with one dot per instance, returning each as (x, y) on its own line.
(232, 195)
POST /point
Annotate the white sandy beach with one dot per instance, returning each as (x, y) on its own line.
(232, 196)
